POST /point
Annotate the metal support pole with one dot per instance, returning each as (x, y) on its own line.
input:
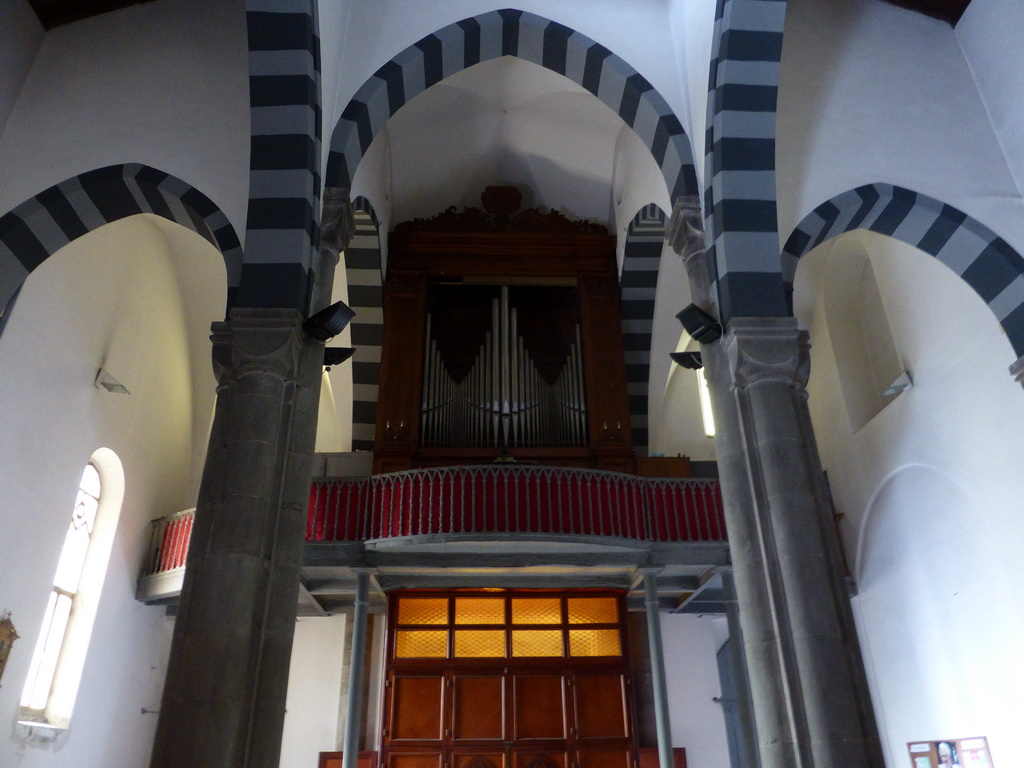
(354, 714)
(657, 668)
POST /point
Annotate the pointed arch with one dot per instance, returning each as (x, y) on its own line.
(45, 223)
(984, 260)
(645, 238)
(366, 297)
(530, 37)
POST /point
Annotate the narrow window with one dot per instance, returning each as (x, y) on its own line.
(59, 656)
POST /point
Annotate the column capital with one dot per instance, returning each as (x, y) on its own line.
(761, 349)
(257, 340)
(685, 234)
(337, 223)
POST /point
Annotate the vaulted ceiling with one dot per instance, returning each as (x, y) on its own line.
(53, 13)
(947, 10)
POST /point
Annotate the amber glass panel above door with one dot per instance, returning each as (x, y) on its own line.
(479, 610)
(423, 610)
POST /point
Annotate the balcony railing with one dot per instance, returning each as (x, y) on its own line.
(476, 501)
(495, 500)
(164, 569)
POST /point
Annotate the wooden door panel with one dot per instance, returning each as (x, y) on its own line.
(604, 758)
(538, 707)
(417, 707)
(535, 758)
(475, 758)
(478, 709)
(600, 706)
(417, 759)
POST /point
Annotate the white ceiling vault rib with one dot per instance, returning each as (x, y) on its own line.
(503, 121)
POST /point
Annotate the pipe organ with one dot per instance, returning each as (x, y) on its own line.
(504, 399)
(501, 342)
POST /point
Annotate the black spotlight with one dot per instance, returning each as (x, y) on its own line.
(689, 360)
(329, 322)
(700, 325)
(337, 355)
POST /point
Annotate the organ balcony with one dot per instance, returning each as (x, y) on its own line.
(489, 523)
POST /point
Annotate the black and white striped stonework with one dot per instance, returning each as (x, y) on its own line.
(366, 297)
(645, 238)
(984, 260)
(739, 199)
(284, 181)
(44, 224)
(529, 37)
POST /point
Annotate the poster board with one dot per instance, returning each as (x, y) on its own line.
(950, 753)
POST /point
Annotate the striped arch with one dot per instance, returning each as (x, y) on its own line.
(645, 238)
(366, 297)
(42, 225)
(984, 260)
(532, 38)
(282, 227)
(739, 200)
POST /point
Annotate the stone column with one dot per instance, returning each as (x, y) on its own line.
(807, 685)
(744, 713)
(223, 701)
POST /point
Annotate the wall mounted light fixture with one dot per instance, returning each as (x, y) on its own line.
(104, 380)
(329, 322)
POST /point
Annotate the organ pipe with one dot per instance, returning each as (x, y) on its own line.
(503, 400)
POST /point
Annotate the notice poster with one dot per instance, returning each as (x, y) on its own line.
(951, 753)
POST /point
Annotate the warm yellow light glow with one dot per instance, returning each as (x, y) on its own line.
(419, 610)
(479, 643)
(536, 642)
(420, 644)
(479, 610)
(705, 404)
(594, 642)
(593, 610)
(536, 610)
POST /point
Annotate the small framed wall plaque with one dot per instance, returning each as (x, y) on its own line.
(951, 753)
(7, 638)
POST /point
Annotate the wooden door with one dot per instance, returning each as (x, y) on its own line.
(558, 696)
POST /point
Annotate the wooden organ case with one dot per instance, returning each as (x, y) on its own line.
(502, 342)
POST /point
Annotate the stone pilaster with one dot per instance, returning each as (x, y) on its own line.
(223, 702)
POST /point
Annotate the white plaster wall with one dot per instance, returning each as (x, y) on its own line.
(314, 690)
(21, 34)
(874, 93)
(109, 298)
(636, 181)
(693, 25)
(931, 489)
(691, 673)
(989, 34)
(157, 83)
